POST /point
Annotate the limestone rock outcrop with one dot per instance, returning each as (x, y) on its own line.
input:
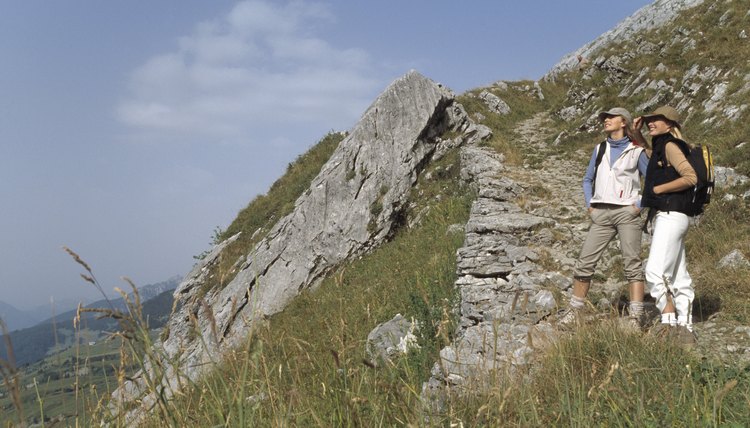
(494, 103)
(501, 286)
(355, 203)
(648, 17)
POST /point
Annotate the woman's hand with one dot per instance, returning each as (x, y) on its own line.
(638, 123)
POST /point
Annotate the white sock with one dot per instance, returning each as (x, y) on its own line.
(635, 309)
(669, 318)
(684, 320)
(577, 302)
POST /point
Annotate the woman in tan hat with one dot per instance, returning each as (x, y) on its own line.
(667, 193)
(611, 188)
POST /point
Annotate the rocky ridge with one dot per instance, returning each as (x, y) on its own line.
(648, 66)
(647, 18)
(522, 239)
(355, 203)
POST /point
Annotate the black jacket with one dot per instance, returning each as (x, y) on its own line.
(658, 173)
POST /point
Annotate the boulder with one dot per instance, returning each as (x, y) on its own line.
(728, 177)
(391, 338)
(734, 260)
(494, 103)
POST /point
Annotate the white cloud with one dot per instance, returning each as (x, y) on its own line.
(259, 67)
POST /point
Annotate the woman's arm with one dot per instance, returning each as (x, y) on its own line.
(687, 179)
(642, 168)
(588, 179)
(643, 163)
(639, 138)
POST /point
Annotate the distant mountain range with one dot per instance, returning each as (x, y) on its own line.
(16, 318)
(33, 343)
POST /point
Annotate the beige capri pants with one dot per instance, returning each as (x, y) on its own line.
(606, 221)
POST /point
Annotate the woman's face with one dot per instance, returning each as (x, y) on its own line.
(658, 126)
(613, 123)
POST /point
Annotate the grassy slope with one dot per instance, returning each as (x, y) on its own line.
(309, 361)
(305, 366)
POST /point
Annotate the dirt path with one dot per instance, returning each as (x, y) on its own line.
(553, 190)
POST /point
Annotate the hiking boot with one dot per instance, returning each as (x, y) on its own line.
(684, 337)
(570, 318)
(662, 331)
(567, 317)
(630, 323)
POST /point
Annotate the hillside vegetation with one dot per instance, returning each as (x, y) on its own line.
(307, 365)
(73, 352)
(53, 335)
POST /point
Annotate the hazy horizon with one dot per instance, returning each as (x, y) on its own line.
(131, 130)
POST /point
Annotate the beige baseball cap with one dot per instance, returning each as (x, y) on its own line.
(617, 111)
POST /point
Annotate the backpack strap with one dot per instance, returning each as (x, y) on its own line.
(599, 156)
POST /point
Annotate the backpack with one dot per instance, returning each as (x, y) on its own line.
(599, 155)
(702, 161)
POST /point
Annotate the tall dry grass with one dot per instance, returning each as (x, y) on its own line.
(10, 374)
(139, 356)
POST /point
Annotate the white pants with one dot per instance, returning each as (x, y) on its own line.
(666, 270)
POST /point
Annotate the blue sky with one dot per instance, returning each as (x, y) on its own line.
(130, 130)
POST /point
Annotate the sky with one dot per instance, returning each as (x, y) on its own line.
(129, 131)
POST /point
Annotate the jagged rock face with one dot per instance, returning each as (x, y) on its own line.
(352, 205)
(648, 17)
(664, 54)
(355, 203)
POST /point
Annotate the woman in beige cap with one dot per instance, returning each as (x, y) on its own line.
(668, 193)
(611, 188)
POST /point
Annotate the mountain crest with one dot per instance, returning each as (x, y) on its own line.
(527, 222)
(356, 202)
(649, 17)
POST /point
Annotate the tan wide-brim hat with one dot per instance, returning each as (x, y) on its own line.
(665, 112)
